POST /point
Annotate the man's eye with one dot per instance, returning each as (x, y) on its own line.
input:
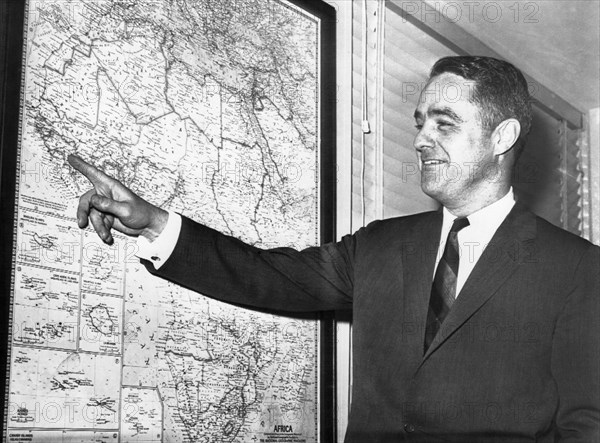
(444, 124)
(419, 126)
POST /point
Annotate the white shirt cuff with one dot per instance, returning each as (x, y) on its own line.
(158, 251)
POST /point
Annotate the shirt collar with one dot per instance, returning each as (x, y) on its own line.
(488, 218)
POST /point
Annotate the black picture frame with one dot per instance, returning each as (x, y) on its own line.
(12, 18)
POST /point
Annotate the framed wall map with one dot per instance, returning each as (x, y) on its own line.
(220, 110)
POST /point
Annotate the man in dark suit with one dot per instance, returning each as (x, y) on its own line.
(497, 343)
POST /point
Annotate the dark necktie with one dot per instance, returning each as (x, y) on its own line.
(443, 290)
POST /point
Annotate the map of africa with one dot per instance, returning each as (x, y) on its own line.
(207, 108)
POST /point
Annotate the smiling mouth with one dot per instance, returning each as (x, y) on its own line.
(433, 162)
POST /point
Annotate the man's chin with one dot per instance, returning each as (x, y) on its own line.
(433, 190)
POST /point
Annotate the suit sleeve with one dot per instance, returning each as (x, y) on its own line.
(222, 267)
(576, 355)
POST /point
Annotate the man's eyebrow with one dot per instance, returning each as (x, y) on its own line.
(441, 111)
(447, 112)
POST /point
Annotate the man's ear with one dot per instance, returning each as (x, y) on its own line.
(505, 136)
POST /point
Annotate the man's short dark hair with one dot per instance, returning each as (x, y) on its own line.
(500, 92)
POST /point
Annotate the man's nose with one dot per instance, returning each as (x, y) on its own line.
(423, 139)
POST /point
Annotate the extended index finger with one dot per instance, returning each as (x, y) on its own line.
(93, 174)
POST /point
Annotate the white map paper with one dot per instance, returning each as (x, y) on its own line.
(205, 107)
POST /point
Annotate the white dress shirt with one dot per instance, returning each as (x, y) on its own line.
(159, 250)
(473, 239)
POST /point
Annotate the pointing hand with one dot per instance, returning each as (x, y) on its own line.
(112, 205)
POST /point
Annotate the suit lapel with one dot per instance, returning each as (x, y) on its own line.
(509, 247)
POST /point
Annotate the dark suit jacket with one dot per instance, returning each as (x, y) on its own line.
(516, 360)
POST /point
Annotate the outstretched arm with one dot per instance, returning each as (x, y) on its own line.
(223, 267)
(109, 204)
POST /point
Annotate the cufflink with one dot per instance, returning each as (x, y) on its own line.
(155, 258)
